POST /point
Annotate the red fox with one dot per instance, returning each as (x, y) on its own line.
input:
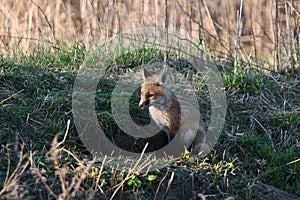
(174, 116)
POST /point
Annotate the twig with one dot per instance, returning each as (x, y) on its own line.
(35, 170)
(252, 33)
(159, 185)
(289, 38)
(293, 8)
(200, 24)
(8, 165)
(43, 180)
(11, 96)
(65, 136)
(17, 173)
(276, 43)
(268, 133)
(99, 175)
(48, 22)
(169, 185)
(274, 169)
(130, 173)
(71, 154)
(238, 35)
(211, 20)
(167, 33)
(54, 45)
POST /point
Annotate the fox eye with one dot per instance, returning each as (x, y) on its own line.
(149, 95)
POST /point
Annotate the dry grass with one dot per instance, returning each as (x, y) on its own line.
(257, 30)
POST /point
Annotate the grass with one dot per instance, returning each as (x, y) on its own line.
(43, 157)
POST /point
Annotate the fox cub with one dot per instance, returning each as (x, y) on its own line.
(174, 116)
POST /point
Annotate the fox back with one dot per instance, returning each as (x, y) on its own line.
(172, 115)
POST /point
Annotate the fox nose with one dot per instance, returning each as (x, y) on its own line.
(143, 105)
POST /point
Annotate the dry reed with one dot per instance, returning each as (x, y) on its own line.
(268, 30)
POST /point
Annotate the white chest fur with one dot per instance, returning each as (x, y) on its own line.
(159, 117)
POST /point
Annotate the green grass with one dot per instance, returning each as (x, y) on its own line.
(259, 142)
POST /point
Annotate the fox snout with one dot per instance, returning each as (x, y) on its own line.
(144, 104)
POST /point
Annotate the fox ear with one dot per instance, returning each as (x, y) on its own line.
(146, 74)
(162, 79)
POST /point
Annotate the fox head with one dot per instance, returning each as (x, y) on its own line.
(153, 90)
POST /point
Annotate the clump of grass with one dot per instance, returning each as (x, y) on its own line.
(265, 111)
